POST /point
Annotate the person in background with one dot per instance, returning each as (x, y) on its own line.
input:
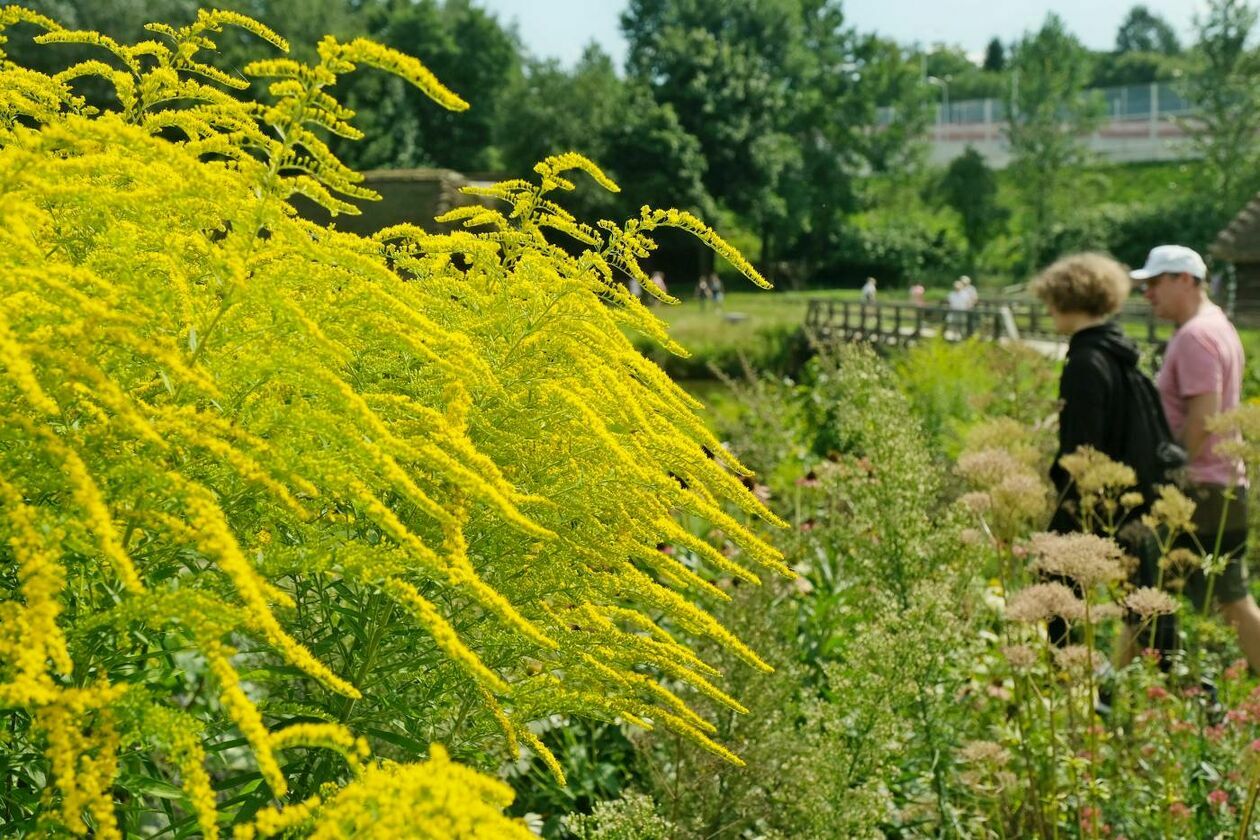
(973, 296)
(959, 302)
(868, 290)
(715, 287)
(1201, 377)
(1099, 406)
(703, 293)
(658, 280)
(917, 293)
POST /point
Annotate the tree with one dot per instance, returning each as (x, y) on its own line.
(1225, 90)
(1047, 115)
(467, 48)
(1147, 32)
(970, 187)
(995, 56)
(550, 111)
(728, 70)
(779, 95)
(1136, 68)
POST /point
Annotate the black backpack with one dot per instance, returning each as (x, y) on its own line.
(1148, 446)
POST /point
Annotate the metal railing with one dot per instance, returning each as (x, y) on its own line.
(1125, 103)
(908, 323)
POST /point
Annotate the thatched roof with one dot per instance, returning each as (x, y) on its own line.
(1239, 242)
(407, 195)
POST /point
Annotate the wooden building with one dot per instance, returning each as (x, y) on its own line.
(1239, 245)
(413, 196)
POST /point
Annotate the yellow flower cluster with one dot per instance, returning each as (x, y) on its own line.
(418, 800)
(269, 487)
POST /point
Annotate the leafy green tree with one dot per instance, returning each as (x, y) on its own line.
(464, 45)
(995, 56)
(970, 187)
(1047, 114)
(1136, 68)
(590, 109)
(728, 69)
(1225, 89)
(780, 95)
(1144, 31)
(966, 80)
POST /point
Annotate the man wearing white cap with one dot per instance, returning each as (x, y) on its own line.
(1201, 377)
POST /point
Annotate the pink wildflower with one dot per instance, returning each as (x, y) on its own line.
(1236, 670)
(810, 479)
(1218, 797)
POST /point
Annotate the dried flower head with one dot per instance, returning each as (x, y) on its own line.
(1078, 659)
(987, 467)
(1021, 657)
(1104, 612)
(1149, 602)
(1008, 435)
(1180, 560)
(977, 501)
(1020, 494)
(984, 752)
(1095, 474)
(1131, 500)
(1171, 510)
(1043, 601)
(1085, 558)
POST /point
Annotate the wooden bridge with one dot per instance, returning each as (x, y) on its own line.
(900, 324)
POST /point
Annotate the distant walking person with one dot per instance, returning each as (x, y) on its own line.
(917, 293)
(715, 286)
(868, 290)
(658, 280)
(959, 302)
(703, 292)
(1201, 377)
(973, 297)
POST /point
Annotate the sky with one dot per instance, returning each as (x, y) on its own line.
(562, 28)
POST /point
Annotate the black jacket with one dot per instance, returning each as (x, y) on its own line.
(1095, 404)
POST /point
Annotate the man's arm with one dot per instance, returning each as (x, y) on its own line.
(1199, 408)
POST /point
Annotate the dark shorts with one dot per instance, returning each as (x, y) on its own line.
(1221, 529)
(1215, 518)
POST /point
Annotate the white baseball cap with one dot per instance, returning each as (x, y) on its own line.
(1171, 259)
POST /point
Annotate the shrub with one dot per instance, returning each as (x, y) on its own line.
(282, 503)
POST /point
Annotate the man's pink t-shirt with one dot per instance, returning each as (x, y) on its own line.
(1204, 356)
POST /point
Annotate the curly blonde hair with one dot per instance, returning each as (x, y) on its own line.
(1091, 283)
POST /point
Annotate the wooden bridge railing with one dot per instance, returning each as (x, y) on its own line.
(906, 323)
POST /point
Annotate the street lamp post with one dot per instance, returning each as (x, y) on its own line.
(943, 84)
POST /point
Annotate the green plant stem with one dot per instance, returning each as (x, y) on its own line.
(1054, 749)
(1253, 788)
(1090, 735)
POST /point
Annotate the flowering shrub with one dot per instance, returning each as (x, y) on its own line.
(918, 690)
(282, 503)
(1062, 733)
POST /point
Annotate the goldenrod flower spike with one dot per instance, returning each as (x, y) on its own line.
(235, 419)
(372, 54)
